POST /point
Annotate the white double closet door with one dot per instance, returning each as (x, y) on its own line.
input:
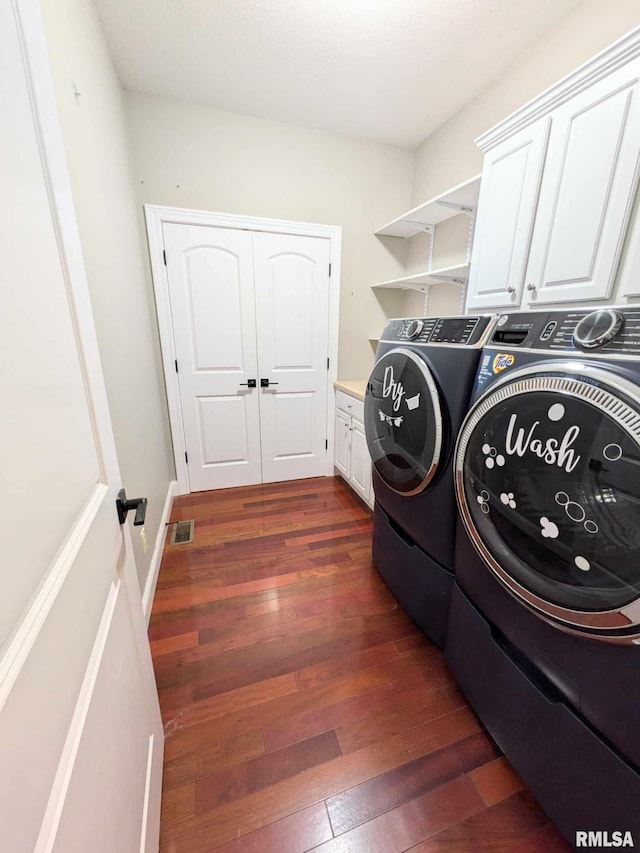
(250, 308)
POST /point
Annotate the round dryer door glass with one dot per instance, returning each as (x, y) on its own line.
(548, 481)
(403, 421)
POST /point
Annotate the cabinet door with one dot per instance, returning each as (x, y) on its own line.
(630, 273)
(506, 209)
(342, 443)
(589, 182)
(360, 461)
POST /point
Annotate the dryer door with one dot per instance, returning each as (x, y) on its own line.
(548, 484)
(403, 421)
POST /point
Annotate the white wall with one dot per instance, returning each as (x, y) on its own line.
(199, 157)
(95, 136)
(450, 156)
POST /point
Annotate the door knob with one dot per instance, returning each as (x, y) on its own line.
(511, 289)
(531, 286)
(124, 504)
(250, 383)
(264, 383)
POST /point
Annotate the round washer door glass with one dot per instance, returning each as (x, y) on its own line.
(548, 481)
(403, 421)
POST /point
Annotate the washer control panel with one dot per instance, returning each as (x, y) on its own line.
(597, 328)
(414, 328)
(456, 330)
(461, 331)
(418, 330)
(606, 330)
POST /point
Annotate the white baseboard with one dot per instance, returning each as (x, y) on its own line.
(156, 559)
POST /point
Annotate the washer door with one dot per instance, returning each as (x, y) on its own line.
(548, 484)
(403, 421)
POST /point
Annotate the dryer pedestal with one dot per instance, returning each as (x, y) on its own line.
(421, 585)
(582, 784)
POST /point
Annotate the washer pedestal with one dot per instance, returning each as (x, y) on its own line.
(582, 784)
(421, 585)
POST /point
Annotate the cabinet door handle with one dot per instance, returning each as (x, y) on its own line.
(511, 289)
(531, 286)
(251, 383)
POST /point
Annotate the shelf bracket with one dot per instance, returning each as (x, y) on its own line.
(468, 211)
(449, 279)
(472, 226)
(430, 258)
(463, 297)
(427, 229)
(425, 304)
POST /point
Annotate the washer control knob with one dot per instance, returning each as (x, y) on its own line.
(597, 328)
(414, 328)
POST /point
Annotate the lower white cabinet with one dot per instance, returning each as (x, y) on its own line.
(352, 458)
(360, 477)
(342, 445)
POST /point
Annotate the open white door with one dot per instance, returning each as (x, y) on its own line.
(80, 730)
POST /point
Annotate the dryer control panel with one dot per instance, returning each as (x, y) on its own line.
(607, 330)
(461, 331)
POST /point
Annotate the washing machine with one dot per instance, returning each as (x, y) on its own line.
(415, 400)
(544, 627)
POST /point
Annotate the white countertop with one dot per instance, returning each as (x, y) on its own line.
(352, 387)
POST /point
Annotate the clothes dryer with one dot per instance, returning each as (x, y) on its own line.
(545, 618)
(415, 400)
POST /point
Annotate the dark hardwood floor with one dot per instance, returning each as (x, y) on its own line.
(302, 708)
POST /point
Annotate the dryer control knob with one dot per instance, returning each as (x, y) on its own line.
(414, 328)
(597, 328)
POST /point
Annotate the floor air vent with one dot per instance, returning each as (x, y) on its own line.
(182, 532)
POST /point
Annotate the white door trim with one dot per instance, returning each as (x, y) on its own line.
(155, 216)
(154, 565)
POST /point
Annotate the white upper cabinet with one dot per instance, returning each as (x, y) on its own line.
(558, 184)
(587, 191)
(506, 210)
(630, 275)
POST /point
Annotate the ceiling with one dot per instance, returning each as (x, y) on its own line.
(387, 70)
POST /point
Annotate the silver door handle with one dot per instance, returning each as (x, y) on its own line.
(511, 289)
(531, 286)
